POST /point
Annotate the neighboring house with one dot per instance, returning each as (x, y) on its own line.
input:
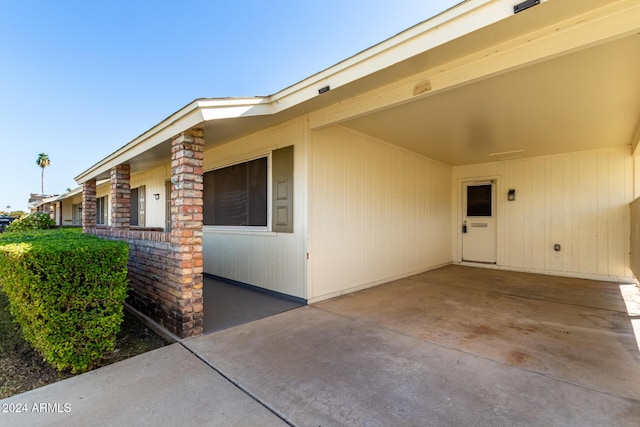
(45, 203)
(65, 209)
(480, 137)
(36, 201)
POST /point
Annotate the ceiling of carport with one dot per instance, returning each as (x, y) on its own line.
(584, 100)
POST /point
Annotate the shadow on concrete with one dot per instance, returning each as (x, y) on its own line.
(227, 305)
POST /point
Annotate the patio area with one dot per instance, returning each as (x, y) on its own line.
(574, 330)
(453, 346)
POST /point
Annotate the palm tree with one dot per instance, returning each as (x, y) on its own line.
(43, 161)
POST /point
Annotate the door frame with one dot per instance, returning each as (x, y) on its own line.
(459, 215)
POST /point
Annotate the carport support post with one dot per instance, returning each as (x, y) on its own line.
(186, 228)
(120, 196)
(88, 205)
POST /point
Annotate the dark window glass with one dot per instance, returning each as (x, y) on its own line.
(133, 201)
(479, 200)
(236, 195)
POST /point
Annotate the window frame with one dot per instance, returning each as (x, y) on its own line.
(136, 204)
(261, 229)
(104, 221)
(76, 214)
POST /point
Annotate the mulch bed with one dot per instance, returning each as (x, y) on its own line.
(22, 369)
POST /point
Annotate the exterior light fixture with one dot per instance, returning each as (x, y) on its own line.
(156, 196)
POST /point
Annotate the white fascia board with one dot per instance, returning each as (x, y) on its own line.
(195, 113)
(231, 108)
(456, 22)
(69, 194)
(50, 199)
(609, 22)
(180, 121)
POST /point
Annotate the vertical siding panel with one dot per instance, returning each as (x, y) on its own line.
(379, 208)
(354, 223)
(567, 224)
(579, 200)
(379, 224)
(444, 203)
(514, 238)
(527, 198)
(588, 212)
(575, 221)
(603, 212)
(413, 225)
(619, 205)
(556, 191)
(429, 214)
(338, 201)
(629, 197)
(367, 216)
(538, 214)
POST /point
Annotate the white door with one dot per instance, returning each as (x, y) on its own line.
(479, 237)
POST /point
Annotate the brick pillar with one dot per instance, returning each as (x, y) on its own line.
(120, 196)
(186, 228)
(89, 205)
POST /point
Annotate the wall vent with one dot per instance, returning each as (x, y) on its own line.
(525, 5)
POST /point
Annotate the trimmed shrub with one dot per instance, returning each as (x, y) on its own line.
(33, 221)
(66, 291)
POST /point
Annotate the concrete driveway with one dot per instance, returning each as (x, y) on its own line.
(454, 346)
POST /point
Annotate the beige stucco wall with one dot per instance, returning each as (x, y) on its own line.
(579, 200)
(274, 261)
(67, 209)
(154, 181)
(376, 213)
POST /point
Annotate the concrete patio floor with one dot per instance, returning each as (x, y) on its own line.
(578, 331)
(454, 346)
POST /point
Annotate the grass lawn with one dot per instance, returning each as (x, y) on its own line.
(22, 369)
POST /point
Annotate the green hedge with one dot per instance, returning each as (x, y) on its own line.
(66, 291)
(33, 221)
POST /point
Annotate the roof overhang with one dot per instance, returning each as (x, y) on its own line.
(474, 41)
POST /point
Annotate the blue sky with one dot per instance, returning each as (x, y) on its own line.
(79, 79)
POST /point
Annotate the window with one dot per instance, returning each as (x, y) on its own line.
(101, 211)
(236, 195)
(479, 200)
(137, 202)
(76, 214)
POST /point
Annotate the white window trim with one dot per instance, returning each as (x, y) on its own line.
(247, 229)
